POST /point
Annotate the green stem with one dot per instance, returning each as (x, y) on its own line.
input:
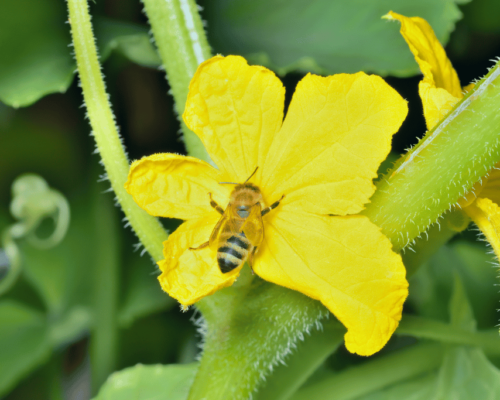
(453, 156)
(182, 44)
(147, 228)
(436, 236)
(436, 330)
(376, 374)
(104, 341)
(309, 355)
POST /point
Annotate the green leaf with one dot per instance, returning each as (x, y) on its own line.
(376, 374)
(461, 315)
(24, 342)
(130, 40)
(425, 328)
(464, 375)
(143, 295)
(149, 382)
(34, 43)
(36, 57)
(432, 285)
(467, 374)
(77, 279)
(420, 388)
(482, 16)
(323, 36)
(63, 275)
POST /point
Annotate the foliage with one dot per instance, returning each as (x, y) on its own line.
(91, 306)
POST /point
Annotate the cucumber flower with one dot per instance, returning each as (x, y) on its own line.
(440, 90)
(322, 157)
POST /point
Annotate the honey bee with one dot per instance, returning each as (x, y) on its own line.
(240, 230)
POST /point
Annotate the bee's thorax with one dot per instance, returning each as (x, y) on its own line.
(244, 196)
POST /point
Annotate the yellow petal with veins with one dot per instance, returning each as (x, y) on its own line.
(189, 275)
(174, 186)
(491, 187)
(440, 89)
(429, 53)
(235, 109)
(346, 263)
(437, 103)
(486, 215)
(488, 187)
(337, 131)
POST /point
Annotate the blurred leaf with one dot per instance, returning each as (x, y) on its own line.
(159, 338)
(431, 287)
(465, 373)
(128, 39)
(365, 381)
(420, 388)
(71, 326)
(34, 43)
(36, 57)
(63, 275)
(24, 342)
(323, 36)
(143, 295)
(54, 152)
(67, 276)
(149, 382)
(42, 384)
(461, 315)
(483, 15)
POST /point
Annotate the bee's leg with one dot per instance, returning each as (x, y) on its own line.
(201, 246)
(274, 205)
(250, 259)
(215, 205)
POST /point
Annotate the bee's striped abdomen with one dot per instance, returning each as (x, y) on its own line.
(233, 252)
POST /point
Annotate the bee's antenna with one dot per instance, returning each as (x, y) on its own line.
(253, 173)
(234, 183)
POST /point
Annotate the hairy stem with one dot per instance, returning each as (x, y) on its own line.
(444, 166)
(182, 44)
(147, 228)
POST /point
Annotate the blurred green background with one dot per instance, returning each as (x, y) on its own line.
(92, 305)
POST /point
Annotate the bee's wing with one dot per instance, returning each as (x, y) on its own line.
(225, 224)
(253, 227)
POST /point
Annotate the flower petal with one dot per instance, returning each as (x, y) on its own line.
(437, 103)
(235, 109)
(174, 186)
(491, 188)
(488, 187)
(486, 215)
(429, 53)
(336, 133)
(189, 275)
(346, 263)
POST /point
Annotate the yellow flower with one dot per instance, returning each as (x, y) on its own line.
(322, 157)
(440, 90)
